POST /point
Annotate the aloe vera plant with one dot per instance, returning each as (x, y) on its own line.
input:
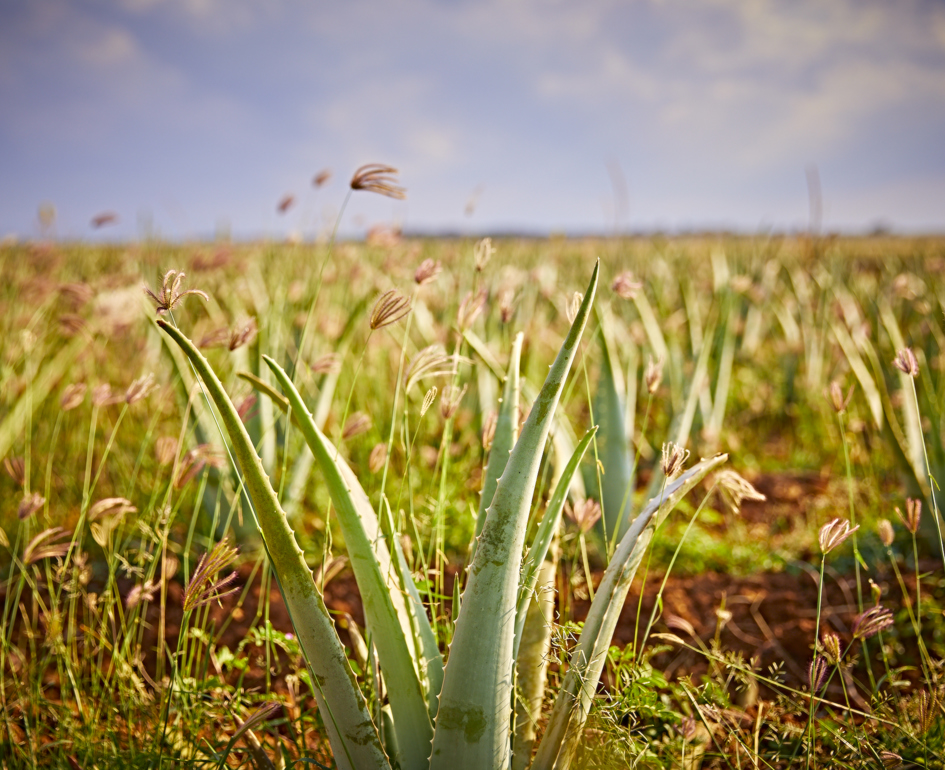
(457, 716)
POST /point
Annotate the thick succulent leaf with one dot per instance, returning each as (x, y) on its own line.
(354, 739)
(506, 432)
(472, 723)
(613, 443)
(385, 608)
(544, 536)
(587, 661)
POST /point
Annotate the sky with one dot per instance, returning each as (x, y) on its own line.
(193, 118)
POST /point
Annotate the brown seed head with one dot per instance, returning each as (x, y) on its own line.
(452, 395)
(378, 458)
(140, 389)
(885, 530)
(927, 707)
(44, 546)
(816, 673)
(906, 363)
(321, 178)
(488, 430)
(585, 514)
(357, 424)
(837, 399)
(470, 308)
(390, 307)
(833, 533)
(482, 253)
(653, 375)
(285, 203)
(115, 507)
(103, 219)
(673, 459)
(377, 178)
(243, 333)
(426, 271)
(244, 407)
(72, 396)
(735, 489)
(29, 505)
(165, 450)
(326, 364)
(913, 516)
(871, 622)
(625, 286)
(430, 361)
(890, 759)
(170, 294)
(204, 587)
(102, 395)
(16, 468)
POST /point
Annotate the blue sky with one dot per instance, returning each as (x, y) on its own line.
(188, 116)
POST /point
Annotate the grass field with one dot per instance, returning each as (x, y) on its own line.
(755, 633)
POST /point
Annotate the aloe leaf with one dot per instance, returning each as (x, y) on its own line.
(574, 700)
(613, 443)
(472, 723)
(384, 605)
(425, 639)
(506, 432)
(544, 536)
(354, 738)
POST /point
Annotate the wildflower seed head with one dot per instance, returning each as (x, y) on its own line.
(16, 468)
(735, 489)
(357, 424)
(885, 530)
(140, 389)
(29, 505)
(204, 587)
(673, 459)
(165, 450)
(452, 395)
(574, 305)
(72, 396)
(871, 622)
(390, 307)
(837, 400)
(890, 759)
(833, 533)
(321, 178)
(428, 400)
(426, 271)
(326, 364)
(653, 375)
(625, 286)
(913, 516)
(585, 514)
(378, 178)
(831, 647)
(470, 308)
(482, 253)
(378, 458)
(906, 363)
(816, 673)
(170, 294)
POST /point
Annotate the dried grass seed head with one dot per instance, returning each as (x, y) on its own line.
(885, 530)
(817, 673)
(72, 396)
(44, 546)
(735, 489)
(380, 179)
(574, 304)
(430, 361)
(830, 644)
(913, 515)
(905, 361)
(837, 400)
(390, 307)
(326, 364)
(204, 587)
(834, 533)
(585, 514)
(625, 286)
(321, 178)
(890, 759)
(482, 253)
(488, 430)
(29, 505)
(140, 389)
(378, 458)
(470, 308)
(285, 203)
(452, 395)
(428, 400)
(16, 469)
(653, 375)
(243, 333)
(356, 424)
(165, 450)
(673, 459)
(871, 622)
(102, 395)
(114, 507)
(170, 294)
(426, 271)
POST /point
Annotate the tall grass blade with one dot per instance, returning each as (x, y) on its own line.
(472, 723)
(353, 737)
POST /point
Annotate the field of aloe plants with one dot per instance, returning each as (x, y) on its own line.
(413, 503)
